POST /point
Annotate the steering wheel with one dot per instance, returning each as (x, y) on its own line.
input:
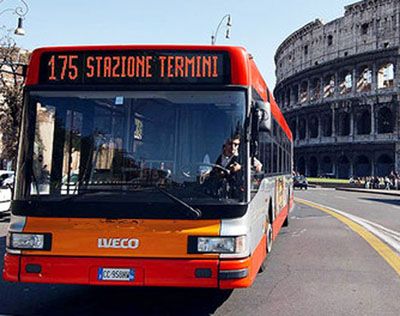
(187, 169)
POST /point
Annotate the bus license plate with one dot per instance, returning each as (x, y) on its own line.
(113, 274)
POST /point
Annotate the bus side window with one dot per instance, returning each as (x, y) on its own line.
(265, 145)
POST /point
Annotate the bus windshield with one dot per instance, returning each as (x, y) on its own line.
(126, 146)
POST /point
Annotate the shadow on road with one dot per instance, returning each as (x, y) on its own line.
(42, 299)
(135, 301)
(395, 202)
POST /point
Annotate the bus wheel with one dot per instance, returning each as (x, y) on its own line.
(263, 266)
(269, 238)
(286, 222)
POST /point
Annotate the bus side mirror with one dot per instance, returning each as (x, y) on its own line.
(264, 116)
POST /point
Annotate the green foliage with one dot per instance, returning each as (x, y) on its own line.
(11, 91)
(327, 180)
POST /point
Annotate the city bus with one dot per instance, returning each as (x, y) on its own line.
(151, 165)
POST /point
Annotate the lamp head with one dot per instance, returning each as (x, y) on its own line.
(227, 35)
(229, 23)
(19, 30)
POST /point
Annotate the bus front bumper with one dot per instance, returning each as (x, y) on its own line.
(224, 274)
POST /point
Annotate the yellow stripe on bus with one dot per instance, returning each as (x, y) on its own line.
(385, 251)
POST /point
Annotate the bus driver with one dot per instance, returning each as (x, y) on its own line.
(229, 157)
(224, 180)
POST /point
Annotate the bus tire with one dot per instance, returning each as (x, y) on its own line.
(263, 266)
(286, 222)
(269, 238)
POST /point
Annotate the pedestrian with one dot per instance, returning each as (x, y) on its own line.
(367, 182)
(376, 183)
(387, 183)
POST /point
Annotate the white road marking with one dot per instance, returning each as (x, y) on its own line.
(389, 236)
(341, 197)
(309, 217)
(296, 234)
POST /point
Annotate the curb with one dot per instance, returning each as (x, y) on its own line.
(382, 192)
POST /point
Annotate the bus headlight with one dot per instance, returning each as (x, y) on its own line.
(28, 241)
(221, 245)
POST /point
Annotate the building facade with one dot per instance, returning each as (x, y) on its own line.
(338, 86)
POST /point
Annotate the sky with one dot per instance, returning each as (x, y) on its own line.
(258, 25)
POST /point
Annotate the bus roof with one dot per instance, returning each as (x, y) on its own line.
(238, 57)
(242, 68)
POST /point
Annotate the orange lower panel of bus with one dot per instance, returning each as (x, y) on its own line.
(224, 274)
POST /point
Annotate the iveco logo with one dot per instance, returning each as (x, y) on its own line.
(118, 243)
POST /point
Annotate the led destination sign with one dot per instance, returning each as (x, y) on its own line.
(134, 67)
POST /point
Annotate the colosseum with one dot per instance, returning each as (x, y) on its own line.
(338, 86)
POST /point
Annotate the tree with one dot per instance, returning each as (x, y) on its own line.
(12, 61)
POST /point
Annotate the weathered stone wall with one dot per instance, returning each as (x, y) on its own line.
(338, 85)
(366, 26)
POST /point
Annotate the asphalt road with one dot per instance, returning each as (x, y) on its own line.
(318, 266)
(380, 209)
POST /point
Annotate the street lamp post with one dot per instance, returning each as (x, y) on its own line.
(21, 11)
(228, 28)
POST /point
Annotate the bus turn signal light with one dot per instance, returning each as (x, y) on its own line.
(28, 241)
(223, 245)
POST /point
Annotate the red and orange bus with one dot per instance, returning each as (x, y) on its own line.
(147, 166)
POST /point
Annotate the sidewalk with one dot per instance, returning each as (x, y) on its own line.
(371, 191)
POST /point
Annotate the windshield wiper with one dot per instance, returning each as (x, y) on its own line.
(71, 197)
(191, 211)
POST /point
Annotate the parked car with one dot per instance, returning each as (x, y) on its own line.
(5, 199)
(300, 182)
(6, 184)
(6, 178)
